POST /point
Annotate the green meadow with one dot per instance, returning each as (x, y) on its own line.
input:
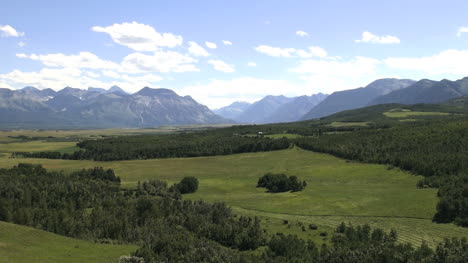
(20, 244)
(408, 113)
(338, 190)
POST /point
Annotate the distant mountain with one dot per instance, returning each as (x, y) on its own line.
(295, 109)
(260, 110)
(93, 108)
(233, 110)
(426, 91)
(356, 98)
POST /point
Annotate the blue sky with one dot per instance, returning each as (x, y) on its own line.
(260, 47)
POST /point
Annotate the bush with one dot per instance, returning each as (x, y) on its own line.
(188, 185)
(277, 183)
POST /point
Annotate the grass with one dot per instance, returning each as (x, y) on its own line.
(338, 190)
(38, 146)
(348, 124)
(407, 113)
(20, 244)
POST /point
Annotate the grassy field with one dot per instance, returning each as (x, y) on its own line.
(348, 124)
(338, 190)
(408, 113)
(20, 244)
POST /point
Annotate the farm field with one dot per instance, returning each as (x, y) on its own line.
(24, 244)
(337, 191)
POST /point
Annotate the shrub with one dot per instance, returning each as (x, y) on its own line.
(188, 185)
(277, 183)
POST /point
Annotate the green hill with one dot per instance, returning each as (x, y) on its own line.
(24, 244)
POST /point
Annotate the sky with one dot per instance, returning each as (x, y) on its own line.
(219, 52)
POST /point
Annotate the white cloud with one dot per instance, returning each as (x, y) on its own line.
(82, 60)
(275, 51)
(139, 37)
(368, 37)
(9, 31)
(462, 29)
(227, 42)
(92, 74)
(251, 64)
(448, 62)
(220, 65)
(292, 52)
(197, 50)
(59, 78)
(312, 52)
(210, 45)
(333, 75)
(301, 33)
(160, 61)
(21, 44)
(218, 93)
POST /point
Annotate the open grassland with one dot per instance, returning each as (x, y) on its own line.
(38, 146)
(348, 124)
(20, 244)
(338, 190)
(8, 136)
(408, 113)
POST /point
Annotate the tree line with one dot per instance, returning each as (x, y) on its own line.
(437, 150)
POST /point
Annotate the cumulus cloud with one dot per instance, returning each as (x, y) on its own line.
(9, 31)
(275, 51)
(139, 37)
(160, 61)
(197, 50)
(368, 37)
(220, 65)
(227, 42)
(251, 64)
(302, 33)
(461, 30)
(333, 75)
(210, 45)
(82, 60)
(292, 52)
(448, 62)
(312, 52)
(59, 78)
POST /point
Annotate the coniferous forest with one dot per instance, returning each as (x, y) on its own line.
(90, 204)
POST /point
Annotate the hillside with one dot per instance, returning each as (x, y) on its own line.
(24, 244)
(356, 98)
(95, 108)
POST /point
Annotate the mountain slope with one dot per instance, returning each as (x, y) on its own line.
(260, 110)
(233, 110)
(426, 91)
(356, 98)
(75, 108)
(294, 110)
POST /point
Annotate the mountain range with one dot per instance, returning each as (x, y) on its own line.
(98, 108)
(271, 109)
(31, 108)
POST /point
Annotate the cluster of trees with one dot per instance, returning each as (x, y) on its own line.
(277, 183)
(435, 149)
(90, 204)
(165, 146)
